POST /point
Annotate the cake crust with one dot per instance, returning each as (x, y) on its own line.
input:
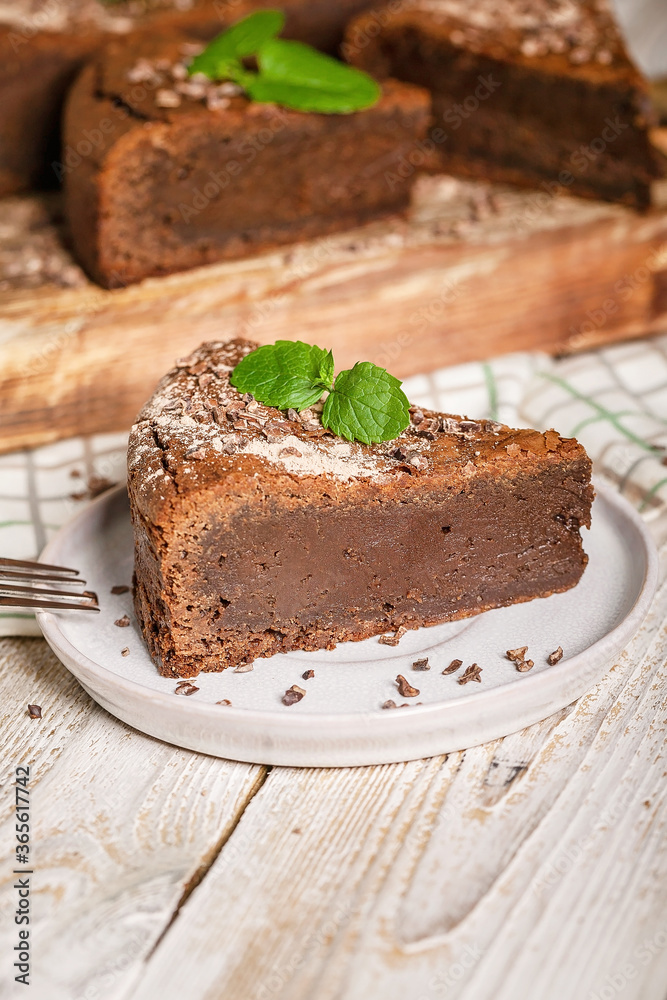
(259, 532)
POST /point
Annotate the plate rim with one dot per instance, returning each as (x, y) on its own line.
(286, 723)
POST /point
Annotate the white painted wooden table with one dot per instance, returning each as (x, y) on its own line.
(531, 868)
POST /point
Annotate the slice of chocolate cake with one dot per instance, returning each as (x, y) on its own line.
(192, 172)
(258, 531)
(532, 92)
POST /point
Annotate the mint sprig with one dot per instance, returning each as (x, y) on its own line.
(291, 74)
(365, 403)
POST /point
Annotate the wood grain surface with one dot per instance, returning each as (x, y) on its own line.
(530, 867)
(473, 271)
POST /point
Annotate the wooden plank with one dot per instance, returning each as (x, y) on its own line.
(532, 866)
(472, 272)
(122, 827)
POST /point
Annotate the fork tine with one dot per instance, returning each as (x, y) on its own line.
(11, 576)
(9, 589)
(38, 568)
(22, 602)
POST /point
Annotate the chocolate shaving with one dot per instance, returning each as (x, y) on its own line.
(125, 651)
(517, 654)
(122, 622)
(524, 665)
(120, 588)
(289, 451)
(453, 667)
(471, 673)
(555, 657)
(422, 664)
(186, 688)
(243, 668)
(292, 414)
(405, 689)
(225, 701)
(293, 695)
(307, 674)
(35, 711)
(393, 638)
(390, 704)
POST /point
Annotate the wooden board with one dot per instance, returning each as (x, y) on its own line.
(471, 272)
(533, 866)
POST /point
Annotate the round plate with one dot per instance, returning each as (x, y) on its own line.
(340, 721)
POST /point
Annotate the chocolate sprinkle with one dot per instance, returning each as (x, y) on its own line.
(471, 673)
(293, 695)
(120, 588)
(122, 622)
(186, 688)
(405, 689)
(422, 664)
(453, 667)
(35, 711)
(393, 638)
(553, 658)
(517, 654)
(307, 674)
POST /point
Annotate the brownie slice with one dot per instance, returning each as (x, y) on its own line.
(189, 173)
(44, 43)
(259, 532)
(532, 92)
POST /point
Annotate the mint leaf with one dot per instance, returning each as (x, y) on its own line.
(285, 374)
(298, 77)
(366, 404)
(221, 57)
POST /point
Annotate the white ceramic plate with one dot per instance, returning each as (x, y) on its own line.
(340, 721)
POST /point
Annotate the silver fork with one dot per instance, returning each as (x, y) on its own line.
(38, 587)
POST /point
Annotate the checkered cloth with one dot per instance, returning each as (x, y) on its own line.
(614, 400)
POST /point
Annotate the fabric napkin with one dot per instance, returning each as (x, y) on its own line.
(614, 400)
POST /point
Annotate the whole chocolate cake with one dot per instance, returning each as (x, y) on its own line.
(258, 531)
(532, 92)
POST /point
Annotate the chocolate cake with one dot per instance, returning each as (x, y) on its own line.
(43, 44)
(532, 92)
(259, 532)
(188, 173)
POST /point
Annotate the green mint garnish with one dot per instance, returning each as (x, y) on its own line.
(367, 404)
(291, 74)
(364, 404)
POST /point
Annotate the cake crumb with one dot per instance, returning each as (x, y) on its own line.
(225, 701)
(120, 588)
(453, 667)
(555, 657)
(517, 654)
(524, 666)
(293, 695)
(243, 668)
(422, 664)
(471, 673)
(390, 704)
(122, 622)
(307, 675)
(186, 688)
(405, 689)
(393, 638)
(35, 711)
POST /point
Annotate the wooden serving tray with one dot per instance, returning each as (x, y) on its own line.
(473, 271)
